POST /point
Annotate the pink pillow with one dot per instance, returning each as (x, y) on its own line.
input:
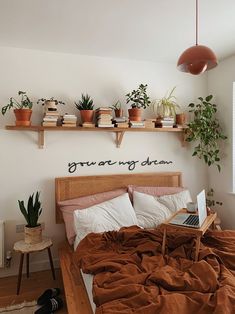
(69, 206)
(154, 190)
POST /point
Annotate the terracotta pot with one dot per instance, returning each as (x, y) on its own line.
(180, 118)
(23, 117)
(87, 115)
(118, 113)
(33, 235)
(135, 114)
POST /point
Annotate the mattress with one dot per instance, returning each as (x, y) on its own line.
(88, 281)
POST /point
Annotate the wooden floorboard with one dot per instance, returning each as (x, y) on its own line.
(31, 288)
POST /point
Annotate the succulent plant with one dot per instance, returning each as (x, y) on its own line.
(86, 103)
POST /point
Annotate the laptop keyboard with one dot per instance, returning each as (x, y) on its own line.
(192, 220)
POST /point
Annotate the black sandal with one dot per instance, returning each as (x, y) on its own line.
(47, 295)
(51, 306)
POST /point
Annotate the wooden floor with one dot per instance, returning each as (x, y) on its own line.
(31, 288)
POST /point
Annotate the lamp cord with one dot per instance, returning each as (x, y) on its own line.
(196, 22)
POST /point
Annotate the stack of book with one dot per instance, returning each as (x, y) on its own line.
(150, 123)
(104, 117)
(167, 122)
(137, 124)
(51, 118)
(88, 125)
(69, 120)
(120, 122)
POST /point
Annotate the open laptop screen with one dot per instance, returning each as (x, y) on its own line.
(201, 204)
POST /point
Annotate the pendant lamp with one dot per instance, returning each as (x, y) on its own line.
(197, 59)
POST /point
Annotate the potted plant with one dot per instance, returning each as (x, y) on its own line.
(117, 107)
(22, 109)
(166, 107)
(210, 201)
(139, 99)
(50, 104)
(86, 106)
(33, 230)
(206, 131)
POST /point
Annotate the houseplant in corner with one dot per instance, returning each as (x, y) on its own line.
(85, 106)
(22, 109)
(139, 99)
(33, 230)
(206, 131)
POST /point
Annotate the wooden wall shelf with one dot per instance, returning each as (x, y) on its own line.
(117, 131)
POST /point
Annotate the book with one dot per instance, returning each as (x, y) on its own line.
(88, 125)
(120, 119)
(122, 125)
(137, 126)
(137, 123)
(50, 119)
(69, 121)
(69, 125)
(69, 115)
(105, 125)
(168, 119)
(49, 124)
(104, 121)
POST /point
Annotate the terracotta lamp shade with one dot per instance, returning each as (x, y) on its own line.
(197, 59)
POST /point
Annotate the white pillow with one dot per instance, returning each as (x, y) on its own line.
(106, 216)
(149, 211)
(176, 201)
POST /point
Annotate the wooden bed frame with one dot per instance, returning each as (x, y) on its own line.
(71, 187)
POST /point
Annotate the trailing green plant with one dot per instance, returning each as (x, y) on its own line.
(86, 103)
(139, 97)
(24, 102)
(166, 106)
(116, 106)
(206, 131)
(43, 100)
(32, 211)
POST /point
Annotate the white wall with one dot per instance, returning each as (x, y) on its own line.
(220, 84)
(25, 168)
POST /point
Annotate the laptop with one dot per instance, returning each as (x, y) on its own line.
(192, 220)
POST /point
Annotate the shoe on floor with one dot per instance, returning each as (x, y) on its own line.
(53, 305)
(47, 295)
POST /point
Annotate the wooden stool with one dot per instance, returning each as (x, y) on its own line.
(25, 248)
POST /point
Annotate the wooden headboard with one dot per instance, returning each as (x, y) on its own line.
(72, 187)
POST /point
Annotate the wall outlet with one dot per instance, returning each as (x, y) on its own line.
(20, 228)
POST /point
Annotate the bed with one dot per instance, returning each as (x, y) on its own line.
(71, 187)
(217, 256)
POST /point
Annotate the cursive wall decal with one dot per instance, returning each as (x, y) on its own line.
(130, 164)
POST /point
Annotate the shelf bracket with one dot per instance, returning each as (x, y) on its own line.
(183, 138)
(41, 139)
(119, 137)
